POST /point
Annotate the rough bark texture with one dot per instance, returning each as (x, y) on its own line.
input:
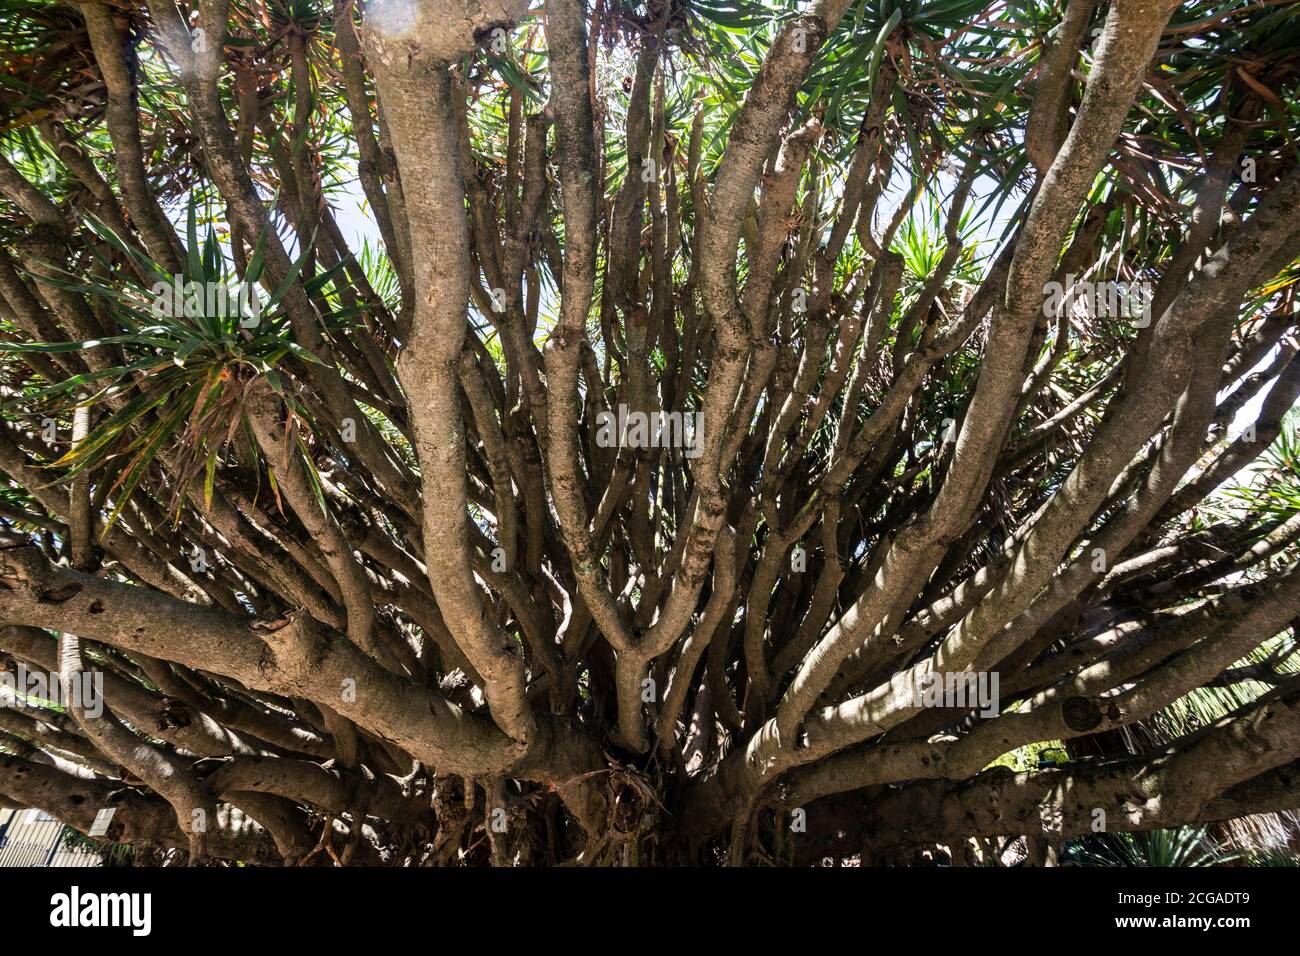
(625, 498)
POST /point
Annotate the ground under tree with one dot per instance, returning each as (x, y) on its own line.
(517, 433)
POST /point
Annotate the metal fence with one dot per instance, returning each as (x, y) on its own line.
(34, 838)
